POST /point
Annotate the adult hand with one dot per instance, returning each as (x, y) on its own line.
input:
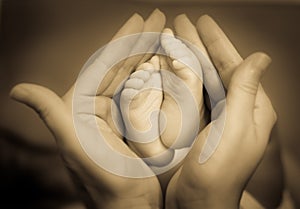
(104, 189)
(220, 181)
(226, 58)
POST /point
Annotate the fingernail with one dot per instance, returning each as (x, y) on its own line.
(259, 63)
(261, 60)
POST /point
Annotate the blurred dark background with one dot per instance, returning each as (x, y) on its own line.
(48, 41)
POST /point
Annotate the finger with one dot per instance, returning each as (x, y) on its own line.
(244, 84)
(240, 104)
(264, 114)
(186, 31)
(154, 24)
(79, 157)
(106, 109)
(222, 52)
(166, 61)
(47, 104)
(147, 42)
(118, 50)
(100, 65)
(132, 26)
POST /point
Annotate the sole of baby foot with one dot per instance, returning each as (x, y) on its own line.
(182, 94)
(140, 106)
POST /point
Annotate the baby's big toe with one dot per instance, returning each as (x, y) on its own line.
(127, 95)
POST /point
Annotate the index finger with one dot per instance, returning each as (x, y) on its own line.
(186, 31)
(224, 55)
(101, 59)
(148, 41)
(120, 49)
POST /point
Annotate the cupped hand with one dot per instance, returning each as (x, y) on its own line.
(216, 177)
(104, 189)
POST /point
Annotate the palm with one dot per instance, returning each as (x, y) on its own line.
(225, 173)
(106, 189)
(96, 179)
(246, 129)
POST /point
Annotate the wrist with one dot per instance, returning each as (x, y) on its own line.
(216, 204)
(205, 194)
(128, 204)
(209, 199)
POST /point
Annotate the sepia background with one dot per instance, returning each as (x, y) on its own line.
(48, 41)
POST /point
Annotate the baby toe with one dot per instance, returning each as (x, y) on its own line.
(145, 66)
(134, 83)
(128, 94)
(141, 74)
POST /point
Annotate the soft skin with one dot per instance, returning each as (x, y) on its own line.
(193, 186)
(150, 89)
(249, 121)
(226, 58)
(105, 190)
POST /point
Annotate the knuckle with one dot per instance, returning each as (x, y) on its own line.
(228, 66)
(43, 111)
(247, 87)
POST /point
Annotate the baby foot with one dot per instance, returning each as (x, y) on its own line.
(140, 104)
(183, 100)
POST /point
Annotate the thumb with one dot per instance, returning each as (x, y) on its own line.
(244, 84)
(45, 102)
